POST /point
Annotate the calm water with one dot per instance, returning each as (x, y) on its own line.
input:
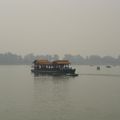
(94, 95)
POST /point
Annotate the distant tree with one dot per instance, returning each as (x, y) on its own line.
(9, 58)
(29, 58)
(55, 57)
(108, 60)
(94, 60)
(77, 59)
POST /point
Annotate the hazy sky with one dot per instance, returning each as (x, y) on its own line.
(82, 27)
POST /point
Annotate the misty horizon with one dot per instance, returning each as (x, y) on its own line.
(14, 59)
(60, 56)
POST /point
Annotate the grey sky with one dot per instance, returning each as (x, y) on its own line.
(60, 26)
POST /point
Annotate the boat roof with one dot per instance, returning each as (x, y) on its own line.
(61, 62)
(56, 62)
(42, 62)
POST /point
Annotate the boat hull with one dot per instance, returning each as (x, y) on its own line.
(70, 72)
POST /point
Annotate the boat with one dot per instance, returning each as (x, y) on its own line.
(54, 68)
(108, 66)
(98, 67)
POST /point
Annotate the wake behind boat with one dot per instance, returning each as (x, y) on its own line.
(58, 67)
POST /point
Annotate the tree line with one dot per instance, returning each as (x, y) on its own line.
(14, 59)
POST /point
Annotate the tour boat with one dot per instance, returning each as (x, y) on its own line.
(57, 67)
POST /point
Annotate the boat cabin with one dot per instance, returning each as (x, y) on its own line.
(45, 64)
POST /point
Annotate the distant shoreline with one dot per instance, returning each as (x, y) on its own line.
(14, 59)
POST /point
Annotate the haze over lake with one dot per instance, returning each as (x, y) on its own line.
(60, 26)
(94, 95)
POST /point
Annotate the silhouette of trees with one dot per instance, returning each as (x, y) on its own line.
(14, 59)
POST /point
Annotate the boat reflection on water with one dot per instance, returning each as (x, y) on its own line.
(54, 68)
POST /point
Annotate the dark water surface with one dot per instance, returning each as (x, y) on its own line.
(94, 95)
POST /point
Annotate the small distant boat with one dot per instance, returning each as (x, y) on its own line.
(98, 67)
(54, 68)
(108, 66)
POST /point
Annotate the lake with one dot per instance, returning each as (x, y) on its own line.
(93, 95)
